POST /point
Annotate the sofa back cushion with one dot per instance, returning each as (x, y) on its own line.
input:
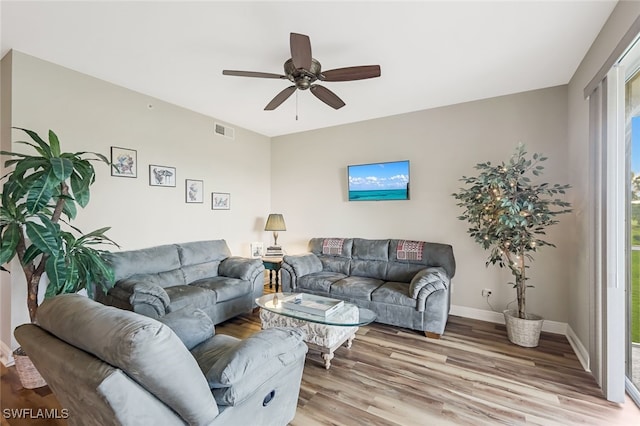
(332, 261)
(163, 279)
(144, 261)
(370, 258)
(146, 350)
(201, 270)
(431, 255)
(203, 251)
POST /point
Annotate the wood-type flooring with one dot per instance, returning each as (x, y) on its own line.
(395, 376)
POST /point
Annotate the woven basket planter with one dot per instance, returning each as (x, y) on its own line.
(523, 332)
(30, 378)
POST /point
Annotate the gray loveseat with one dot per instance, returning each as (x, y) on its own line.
(158, 280)
(108, 366)
(406, 283)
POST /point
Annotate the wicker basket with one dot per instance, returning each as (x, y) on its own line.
(29, 376)
(523, 332)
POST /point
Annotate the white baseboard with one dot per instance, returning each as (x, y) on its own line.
(579, 349)
(498, 318)
(6, 356)
(548, 326)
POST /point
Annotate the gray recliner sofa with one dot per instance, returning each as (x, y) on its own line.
(157, 280)
(109, 366)
(406, 283)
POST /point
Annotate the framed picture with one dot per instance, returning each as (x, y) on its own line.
(194, 191)
(124, 162)
(162, 175)
(257, 249)
(220, 201)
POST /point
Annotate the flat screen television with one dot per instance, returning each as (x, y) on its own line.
(379, 181)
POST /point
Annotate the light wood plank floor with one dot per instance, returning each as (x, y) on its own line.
(394, 376)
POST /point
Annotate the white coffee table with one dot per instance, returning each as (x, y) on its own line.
(325, 334)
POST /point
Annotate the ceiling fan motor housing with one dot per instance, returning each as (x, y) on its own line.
(299, 76)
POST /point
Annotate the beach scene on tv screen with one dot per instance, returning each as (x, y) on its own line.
(379, 181)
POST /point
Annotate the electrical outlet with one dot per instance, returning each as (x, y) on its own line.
(486, 292)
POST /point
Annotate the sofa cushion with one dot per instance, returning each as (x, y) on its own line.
(316, 247)
(402, 271)
(370, 249)
(193, 326)
(225, 288)
(203, 251)
(434, 254)
(355, 287)
(161, 279)
(142, 347)
(320, 281)
(394, 293)
(200, 270)
(335, 264)
(369, 268)
(184, 295)
(144, 261)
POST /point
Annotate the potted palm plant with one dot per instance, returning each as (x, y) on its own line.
(39, 192)
(508, 214)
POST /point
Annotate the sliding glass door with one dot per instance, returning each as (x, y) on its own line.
(632, 138)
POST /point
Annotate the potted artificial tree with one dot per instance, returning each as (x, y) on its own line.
(508, 215)
(38, 193)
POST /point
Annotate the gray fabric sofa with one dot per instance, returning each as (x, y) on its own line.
(158, 280)
(109, 366)
(406, 283)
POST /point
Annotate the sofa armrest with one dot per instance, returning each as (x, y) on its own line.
(241, 268)
(425, 282)
(145, 298)
(302, 264)
(235, 370)
(296, 266)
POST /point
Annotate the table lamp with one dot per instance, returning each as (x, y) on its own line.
(275, 223)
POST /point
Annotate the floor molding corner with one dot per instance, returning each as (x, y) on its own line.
(581, 352)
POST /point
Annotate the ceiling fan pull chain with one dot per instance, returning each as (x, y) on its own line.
(297, 105)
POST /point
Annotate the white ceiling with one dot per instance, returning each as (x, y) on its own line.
(432, 53)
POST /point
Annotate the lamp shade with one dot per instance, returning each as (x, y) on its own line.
(275, 222)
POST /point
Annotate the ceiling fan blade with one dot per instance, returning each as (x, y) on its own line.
(300, 50)
(280, 98)
(327, 96)
(252, 74)
(351, 73)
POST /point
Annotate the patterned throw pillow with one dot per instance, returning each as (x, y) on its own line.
(410, 250)
(332, 246)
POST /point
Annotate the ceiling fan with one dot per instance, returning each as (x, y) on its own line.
(304, 71)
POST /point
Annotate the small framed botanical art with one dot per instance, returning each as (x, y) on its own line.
(257, 249)
(194, 191)
(124, 162)
(162, 175)
(220, 201)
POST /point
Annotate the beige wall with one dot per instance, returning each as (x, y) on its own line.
(581, 280)
(309, 186)
(91, 115)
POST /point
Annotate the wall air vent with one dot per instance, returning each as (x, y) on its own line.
(226, 131)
